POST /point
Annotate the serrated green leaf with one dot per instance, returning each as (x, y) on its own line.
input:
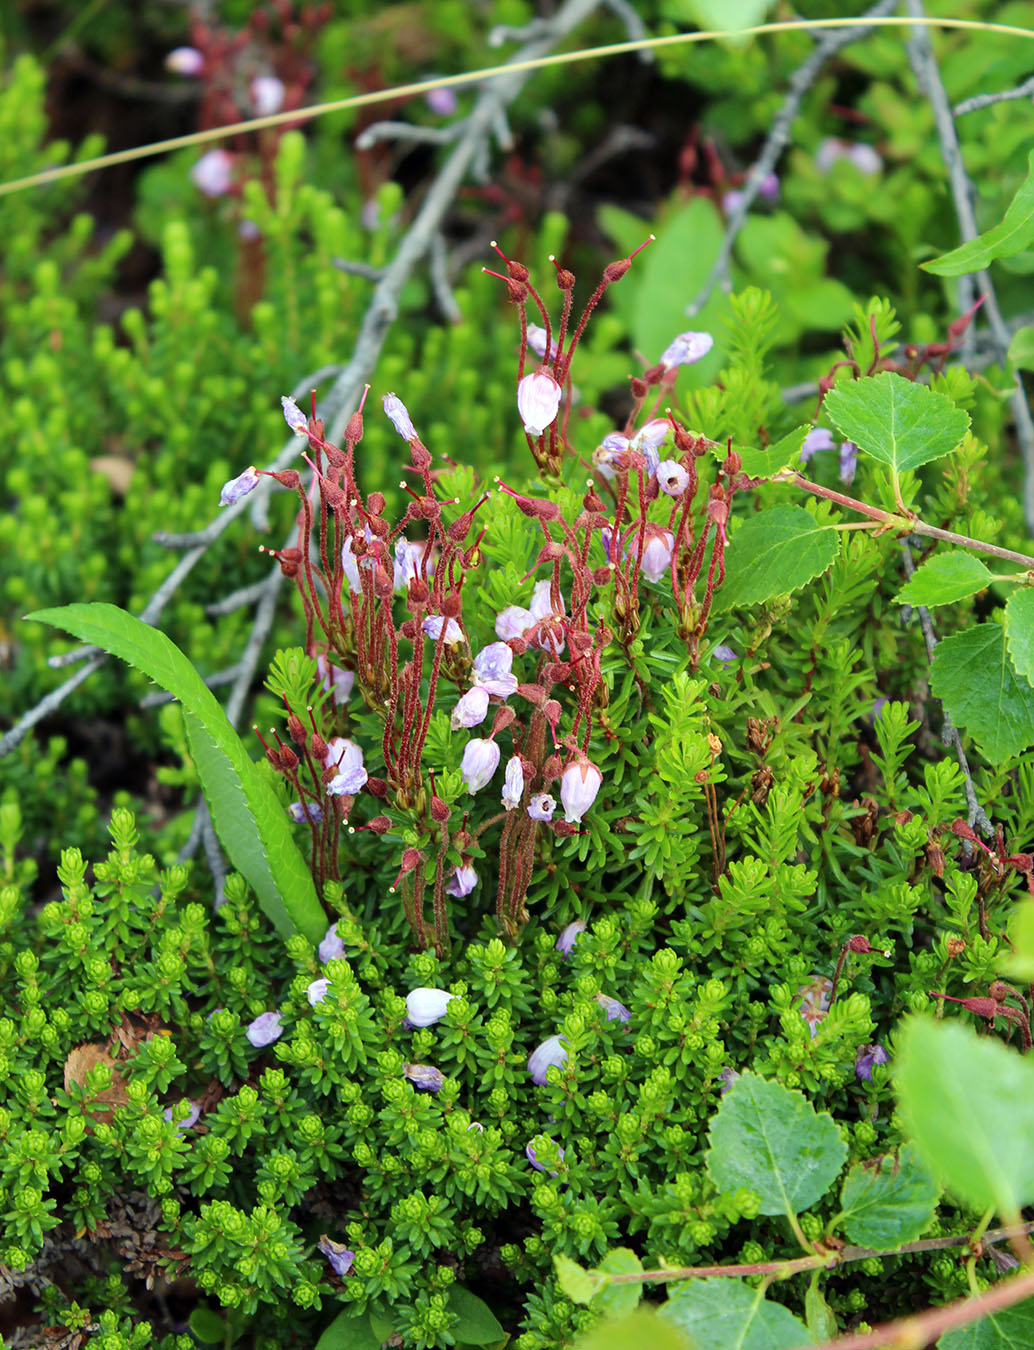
(478, 1324)
(772, 1140)
(773, 553)
(576, 1282)
(896, 421)
(785, 454)
(943, 578)
(1021, 349)
(349, 1331)
(968, 1106)
(1012, 235)
(639, 1328)
(1019, 631)
(720, 1314)
(888, 1202)
(258, 838)
(1011, 1329)
(973, 677)
(618, 1299)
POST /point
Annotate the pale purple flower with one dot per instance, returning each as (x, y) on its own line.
(768, 188)
(316, 992)
(442, 101)
(513, 783)
(550, 1053)
(293, 416)
(185, 61)
(464, 879)
(213, 173)
(616, 1012)
(426, 1006)
(569, 937)
(579, 785)
(538, 401)
(188, 1120)
(239, 487)
(651, 437)
(865, 159)
(529, 1153)
(493, 670)
(331, 948)
(409, 563)
(433, 625)
(514, 621)
(537, 342)
(248, 231)
(300, 811)
(347, 758)
(727, 1077)
(867, 1059)
(337, 1254)
(660, 545)
(724, 654)
(424, 1077)
(731, 200)
(541, 606)
(480, 761)
(337, 682)
(266, 1028)
(609, 449)
(672, 478)
(685, 349)
(541, 806)
(399, 417)
(848, 462)
(267, 95)
(818, 438)
(476, 1125)
(471, 710)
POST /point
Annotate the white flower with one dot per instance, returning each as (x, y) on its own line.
(513, 783)
(538, 401)
(424, 1006)
(579, 785)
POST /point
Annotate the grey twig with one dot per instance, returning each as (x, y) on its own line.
(247, 595)
(968, 105)
(949, 732)
(777, 140)
(48, 704)
(221, 677)
(358, 269)
(439, 270)
(407, 131)
(930, 83)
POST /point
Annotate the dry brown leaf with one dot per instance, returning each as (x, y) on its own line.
(116, 469)
(81, 1059)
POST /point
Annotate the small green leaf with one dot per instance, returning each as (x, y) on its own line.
(257, 836)
(1019, 630)
(973, 677)
(888, 1202)
(617, 1299)
(1010, 1329)
(773, 553)
(208, 1326)
(726, 16)
(640, 1328)
(772, 1140)
(785, 454)
(1012, 235)
(1021, 349)
(349, 1331)
(721, 1313)
(577, 1283)
(945, 577)
(896, 421)
(820, 1317)
(478, 1324)
(968, 1104)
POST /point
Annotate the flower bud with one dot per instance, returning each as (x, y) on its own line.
(264, 1030)
(213, 173)
(239, 487)
(186, 61)
(686, 349)
(425, 1006)
(424, 1077)
(316, 992)
(294, 416)
(513, 783)
(616, 1012)
(331, 948)
(471, 710)
(399, 417)
(550, 1053)
(480, 761)
(579, 785)
(538, 401)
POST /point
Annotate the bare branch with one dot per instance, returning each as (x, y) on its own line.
(777, 140)
(968, 105)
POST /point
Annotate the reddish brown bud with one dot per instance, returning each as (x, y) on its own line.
(354, 429)
(419, 455)
(379, 788)
(564, 829)
(379, 824)
(732, 462)
(439, 810)
(654, 375)
(988, 1008)
(288, 478)
(319, 746)
(375, 503)
(503, 718)
(452, 606)
(564, 278)
(552, 768)
(603, 576)
(616, 270)
(296, 729)
(534, 693)
(417, 592)
(955, 946)
(383, 586)
(289, 560)
(288, 759)
(858, 943)
(593, 502)
(408, 630)
(640, 388)
(532, 507)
